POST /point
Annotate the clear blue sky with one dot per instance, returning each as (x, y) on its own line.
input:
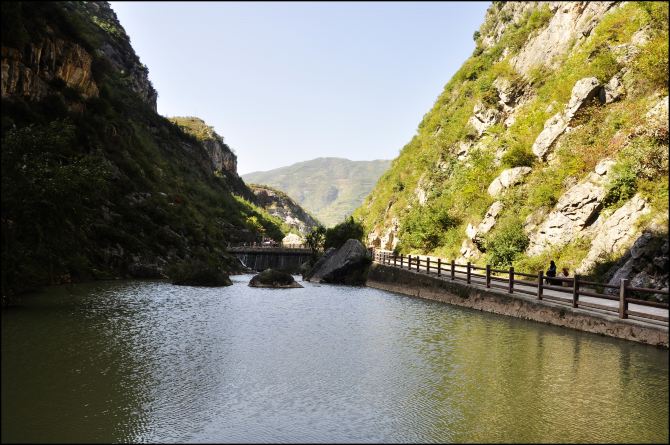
(289, 82)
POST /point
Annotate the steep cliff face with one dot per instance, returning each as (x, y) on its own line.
(551, 142)
(34, 60)
(221, 156)
(95, 184)
(29, 73)
(280, 205)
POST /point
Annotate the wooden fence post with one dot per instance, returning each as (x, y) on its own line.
(409, 262)
(453, 269)
(395, 259)
(488, 275)
(540, 288)
(623, 304)
(427, 265)
(439, 267)
(575, 290)
(468, 274)
(418, 262)
(511, 279)
(402, 259)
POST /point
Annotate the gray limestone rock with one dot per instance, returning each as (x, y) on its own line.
(612, 91)
(348, 265)
(615, 233)
(573, 212)
(571, 24)
(507, 178)
(483, 118)
(582, 91)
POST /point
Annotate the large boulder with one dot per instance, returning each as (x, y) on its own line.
(320, 262)
(616, 233)
(645, 264)
(347, 265)
(274, 279)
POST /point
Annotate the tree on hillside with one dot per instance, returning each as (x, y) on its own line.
(315, 239)
(338, 235)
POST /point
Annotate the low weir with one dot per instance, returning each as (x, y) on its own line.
(261, 258)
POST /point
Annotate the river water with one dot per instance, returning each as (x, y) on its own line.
(145, 361)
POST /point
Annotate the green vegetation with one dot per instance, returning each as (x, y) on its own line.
(328, 188)
(282, 204)
(506, 244)
(198, 273)
(346, 230)
(197, 128)
(315, 239)
(456, 189)
(91, 187)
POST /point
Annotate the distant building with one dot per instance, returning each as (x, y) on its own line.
(292, 240)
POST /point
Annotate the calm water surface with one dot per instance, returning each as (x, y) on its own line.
(151, 362)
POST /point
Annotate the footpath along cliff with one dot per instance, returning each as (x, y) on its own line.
(550, 142)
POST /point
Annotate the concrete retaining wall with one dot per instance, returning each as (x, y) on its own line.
(430, 287)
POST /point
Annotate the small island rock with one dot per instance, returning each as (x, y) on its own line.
(275, 279)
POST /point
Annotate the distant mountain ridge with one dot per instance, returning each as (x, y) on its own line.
(329, 188)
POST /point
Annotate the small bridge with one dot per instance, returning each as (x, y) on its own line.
(258, 257)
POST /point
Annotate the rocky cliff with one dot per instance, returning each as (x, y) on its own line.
(550, 142)
(95, 184)
(223, 159)
(280, 205)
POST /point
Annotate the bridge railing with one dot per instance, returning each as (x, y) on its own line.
(253, 245)
(567, 289)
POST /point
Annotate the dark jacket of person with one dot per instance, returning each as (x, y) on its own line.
(551, 272)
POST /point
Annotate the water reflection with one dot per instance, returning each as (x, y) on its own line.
(151, 362)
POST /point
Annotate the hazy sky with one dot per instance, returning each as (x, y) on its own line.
(289, 82)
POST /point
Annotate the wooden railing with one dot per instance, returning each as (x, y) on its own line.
(568, 289)
(241, 246)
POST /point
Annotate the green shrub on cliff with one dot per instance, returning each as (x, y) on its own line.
(338, 235)
(456, 184)
(92, 186)
(506, 243)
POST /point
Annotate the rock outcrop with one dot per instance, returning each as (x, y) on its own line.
(30, 73)
(507, 178)
(279, 204)
(274, 279)
(573, 212)
(347, 265)
(483, 118)
(646, 264)
(475, 233)
(583, 90)
(220, 155)
(571, 23)
(615, 233)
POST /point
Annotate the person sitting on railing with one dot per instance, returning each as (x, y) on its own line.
(551, 272)
(566, 274)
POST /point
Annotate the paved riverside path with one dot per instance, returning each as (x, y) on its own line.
(557, 297)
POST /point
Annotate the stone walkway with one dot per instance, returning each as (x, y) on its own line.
(555, 296)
